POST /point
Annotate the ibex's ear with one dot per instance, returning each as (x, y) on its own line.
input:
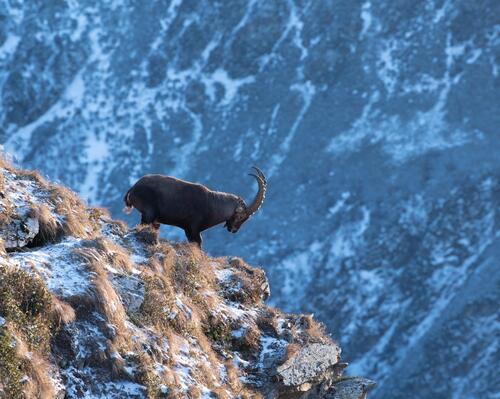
(239, 209)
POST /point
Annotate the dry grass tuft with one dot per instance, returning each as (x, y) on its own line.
(24, 373)
(5, 212)
(146, 375)
(117, 362)
(194, 392)
(116, 227)
(251, 283)
(190, 251)
(97, 213)
(114, 254)
(27, 302)
(78, 221)
(267, 321)
(49, 228)
(314, 331)
(4, 162)
(107, 301)
(2, 185)
(33, 175)
(29, 310)
(217, 329)
(163, 258)
(147, 234)
(118, 367)
(186, 276)
(62, 312)
(192, 274)
(11, 371)
(248, 344)
(234, 382)
(159, 300)
(39, 384)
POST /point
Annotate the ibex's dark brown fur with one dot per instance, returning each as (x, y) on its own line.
(192, 207)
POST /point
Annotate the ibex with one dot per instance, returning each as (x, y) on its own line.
(192, 207)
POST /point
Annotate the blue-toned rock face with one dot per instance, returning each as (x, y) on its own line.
(377, 124)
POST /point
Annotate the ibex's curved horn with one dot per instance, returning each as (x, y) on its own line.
(259, 172)
(261, 194)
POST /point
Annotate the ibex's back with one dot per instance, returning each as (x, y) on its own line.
(160, 198)
(192, 207)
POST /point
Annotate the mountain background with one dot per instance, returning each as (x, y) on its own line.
(377, 124)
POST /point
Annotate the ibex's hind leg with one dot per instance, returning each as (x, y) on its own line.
(193, 236)
(147, 217)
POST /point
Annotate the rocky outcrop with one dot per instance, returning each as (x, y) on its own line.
(308, 364)
(19, 227)
(89, 308)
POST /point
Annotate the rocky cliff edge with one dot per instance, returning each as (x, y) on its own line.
(92, 309)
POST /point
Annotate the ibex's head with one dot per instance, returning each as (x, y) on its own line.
(242, 211)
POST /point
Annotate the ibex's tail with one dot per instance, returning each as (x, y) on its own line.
(128, 206)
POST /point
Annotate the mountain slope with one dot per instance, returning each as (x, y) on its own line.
(89, 308)
(376, 123)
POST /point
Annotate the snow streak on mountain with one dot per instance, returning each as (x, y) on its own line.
(376, 122)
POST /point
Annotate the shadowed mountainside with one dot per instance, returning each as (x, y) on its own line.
(376, 123)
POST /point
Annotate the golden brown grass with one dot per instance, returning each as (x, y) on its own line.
(249, 343)
(106, 300)
(32, 315)
(34, 176)
(193, 393)
(147, 377)
(24, 372)
(112, 253)
(61, 312)
(5, 212)
(163, 258)
(191, 272)
(27, 174)
(159, 299)
(315, 330)
(109, 305)
(251, 280)
(4, 163)
(118, 366)
(49, 228)
(78, 221)
(147, 234)
(183, 271)
(2, 185)
(267, 320)
(39, 384)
